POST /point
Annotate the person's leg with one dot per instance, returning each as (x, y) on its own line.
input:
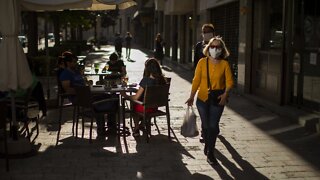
(111, 123)
(101, 108)
(100, 124)
(215, 113)
(136, 120)
(129, 53)
(203, 112)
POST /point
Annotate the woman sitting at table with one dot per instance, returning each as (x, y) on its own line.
(116, 65)
(152, 76)
(71, 77)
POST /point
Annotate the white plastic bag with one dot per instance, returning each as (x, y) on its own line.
(189, 127)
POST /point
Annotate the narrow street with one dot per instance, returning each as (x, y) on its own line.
(254, 143)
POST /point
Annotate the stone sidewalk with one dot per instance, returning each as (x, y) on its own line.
(254, 143)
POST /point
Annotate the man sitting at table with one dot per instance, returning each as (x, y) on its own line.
(71, 77)
(116, 65)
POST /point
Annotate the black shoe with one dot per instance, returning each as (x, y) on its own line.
(211, 159)
(205, 150)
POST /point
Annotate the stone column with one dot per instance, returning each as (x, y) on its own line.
(245, 46)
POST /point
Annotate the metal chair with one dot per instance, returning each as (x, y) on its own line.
(3, 128)
(86, 107)
(62, 97)
(154, 97)
(27, 110)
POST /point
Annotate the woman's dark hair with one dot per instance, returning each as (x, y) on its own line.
(113, 57)
(152, 67)
(68, 57)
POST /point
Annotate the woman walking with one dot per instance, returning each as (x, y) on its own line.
(212, 73)
(158, 54)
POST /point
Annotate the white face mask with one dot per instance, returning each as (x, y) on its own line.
(215, 52)
(207, 36)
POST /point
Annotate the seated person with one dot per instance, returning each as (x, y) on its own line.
(116, 65)
(152, 76)
(70, 77)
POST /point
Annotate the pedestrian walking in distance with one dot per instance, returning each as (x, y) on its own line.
(118, 45)
(158, 53)
(128, 39)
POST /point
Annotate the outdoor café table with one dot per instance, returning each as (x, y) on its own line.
(100, 89)
(108, 75)
(99, 73)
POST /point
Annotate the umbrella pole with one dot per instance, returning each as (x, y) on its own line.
(14, 126)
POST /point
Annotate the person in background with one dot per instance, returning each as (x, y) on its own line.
(207, 34)
(71, 77)
(220, 78)
(128, 39)
(152, 76)
(116, 65)
(118, 45)
(158, 53)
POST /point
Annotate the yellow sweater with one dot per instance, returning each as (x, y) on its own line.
(220, 77)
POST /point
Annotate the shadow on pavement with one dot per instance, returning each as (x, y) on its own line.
(246, 170)
(297, 138)
(105, 159)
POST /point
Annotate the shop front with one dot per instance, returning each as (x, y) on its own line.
(285, 48)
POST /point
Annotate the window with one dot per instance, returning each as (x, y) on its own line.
(273, 34)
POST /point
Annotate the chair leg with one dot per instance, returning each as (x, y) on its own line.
(59, 122)
(168, 122)
(77, 120)
(74, 121)
(146, 129)
(26, 127)
(6, 149)
(82, 123)
(37, 128)
(91, 125)
(155, 123)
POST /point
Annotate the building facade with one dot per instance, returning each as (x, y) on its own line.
(274, 44)
(278, 51)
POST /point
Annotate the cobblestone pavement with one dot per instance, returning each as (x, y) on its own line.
(254, 143)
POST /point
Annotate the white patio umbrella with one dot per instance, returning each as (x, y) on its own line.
(14, 69)
(92, 5)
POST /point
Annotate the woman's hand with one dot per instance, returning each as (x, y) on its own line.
(190, 101)
(223, 99)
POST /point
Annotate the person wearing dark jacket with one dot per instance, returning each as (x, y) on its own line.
(207, 34)
(158, 53)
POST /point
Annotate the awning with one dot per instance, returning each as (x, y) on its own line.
(92, 5)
